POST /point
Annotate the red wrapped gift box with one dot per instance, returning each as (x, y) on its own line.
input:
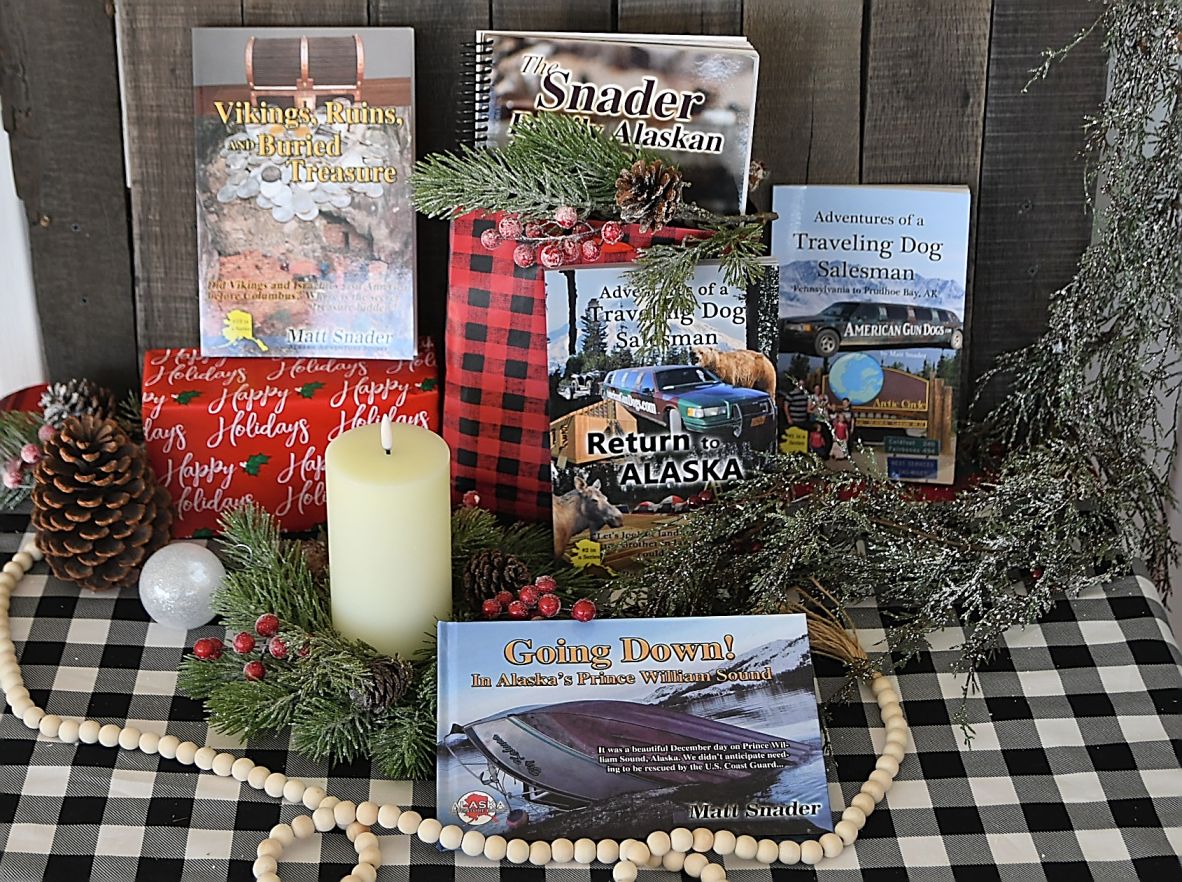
(220, 430)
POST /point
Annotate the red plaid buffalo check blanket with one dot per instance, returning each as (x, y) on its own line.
(496, 381)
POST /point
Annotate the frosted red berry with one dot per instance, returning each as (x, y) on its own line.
(471, 499)
(612, 232)
(504, 598)
(277, 647)
(491, 608)
(534, 230)
(509, 226)
(591, 250)
(549, 605)
(267, 625)
(208, 648)
(572, 250)
(523, 256)
(491, 239)
(550, 255)
(584, 610)
(545, 584)
(529, 596)
(244, 642)
(566, 216)
(518, 610)
(254, 670)
(707, 496)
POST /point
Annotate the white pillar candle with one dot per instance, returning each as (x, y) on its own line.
(389, 534)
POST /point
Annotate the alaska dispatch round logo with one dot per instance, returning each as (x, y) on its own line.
(475, 808)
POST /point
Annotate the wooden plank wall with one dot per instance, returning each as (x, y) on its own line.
(873, 91)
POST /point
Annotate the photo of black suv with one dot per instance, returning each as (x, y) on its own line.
(850, 325)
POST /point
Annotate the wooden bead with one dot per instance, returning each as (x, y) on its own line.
(109, 737)
(897, 736)
(222, 763)
(811, 852)
(257, 778)
(767, 852)
(323, 819)
(30, 548)
(703, 839)
(887, 764)
(847, 831)
(7, 582)
(68, 731)
(274, 783)
(881, 684)
(724, 842)
(694, 864)
(680, 839)
(364, 872)
(264, 865)
(365, 840)
(185, 752)
(293, 790)
(50, 725)
(14, 570)
(607, 851)
(713, 873)
(354, 830)
(882, 778)
(22, 706)
(864, 802)
(367, 813)
(831, 844)
(269, 877)
(168, 746)
(789, 852)
(636, 852)
(874, 790)
(302, 826)
(624, 871)
(473, 843)
(540, 853)
(408, 822)
(658, 842)
(23, 559)
(312, 797)
(204, 757)
(345, 812)
(745, 847)
(450, 837)
(562, 850)
(13, 694)
(150, 743)
(673, 861)
(429, 830)
(239, 769)
(855, 816)
(283, 833)
(388, 816)
(584, 851)
(495, 848)
(269, 846)
(517, 851)
(895, 751)
(371, 856)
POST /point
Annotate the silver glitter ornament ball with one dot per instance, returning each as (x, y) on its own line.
(177, 585)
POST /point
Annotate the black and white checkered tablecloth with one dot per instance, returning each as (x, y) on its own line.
(1074, 772)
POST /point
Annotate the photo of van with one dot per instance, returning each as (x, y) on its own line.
(849, 325)
(688, 398)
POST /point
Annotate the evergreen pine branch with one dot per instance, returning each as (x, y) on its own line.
(246, 709)
(404, 748)
(17, 428)
(331, 729)
(201, 678)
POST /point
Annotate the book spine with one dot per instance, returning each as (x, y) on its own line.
(473, 106)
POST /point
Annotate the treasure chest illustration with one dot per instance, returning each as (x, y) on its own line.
(304, 70)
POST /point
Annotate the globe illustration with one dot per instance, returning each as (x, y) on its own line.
(856, 376)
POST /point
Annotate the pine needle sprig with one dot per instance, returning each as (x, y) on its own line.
(17, 428)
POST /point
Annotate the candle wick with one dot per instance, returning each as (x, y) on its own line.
(386, 434)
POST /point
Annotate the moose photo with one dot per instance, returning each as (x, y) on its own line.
(583, 509)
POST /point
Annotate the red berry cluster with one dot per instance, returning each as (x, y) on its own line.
(559, 241)
(700, 499)
(266, 629)
(535, 601)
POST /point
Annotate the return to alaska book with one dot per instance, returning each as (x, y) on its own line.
(872, 309)
(690, 97)
(305, 229)
(639, 434)
(617, 727)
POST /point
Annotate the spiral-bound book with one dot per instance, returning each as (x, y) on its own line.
(691, 98)
(305, 230)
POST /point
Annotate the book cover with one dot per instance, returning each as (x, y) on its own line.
(618, 727)
(693, 100)
(305, 229)
(638, 435)
(871, 335)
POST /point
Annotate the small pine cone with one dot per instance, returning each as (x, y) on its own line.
(315, 553)
(649, 194)
(389, 680)
(490, 571)
(98, 510)
(76, 398)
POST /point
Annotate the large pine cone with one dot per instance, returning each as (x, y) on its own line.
(98, 511)
(76, 398)
(490, 571)
(649, 194)
(389, 680)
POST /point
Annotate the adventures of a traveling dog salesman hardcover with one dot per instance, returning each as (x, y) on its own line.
(622, 725)
(639, 434)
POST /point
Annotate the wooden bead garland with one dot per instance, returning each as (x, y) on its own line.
(677, 850)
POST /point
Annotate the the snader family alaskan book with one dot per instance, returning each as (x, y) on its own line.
(637, 433)
(305, 231)
(872, 297)
(617, 726)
